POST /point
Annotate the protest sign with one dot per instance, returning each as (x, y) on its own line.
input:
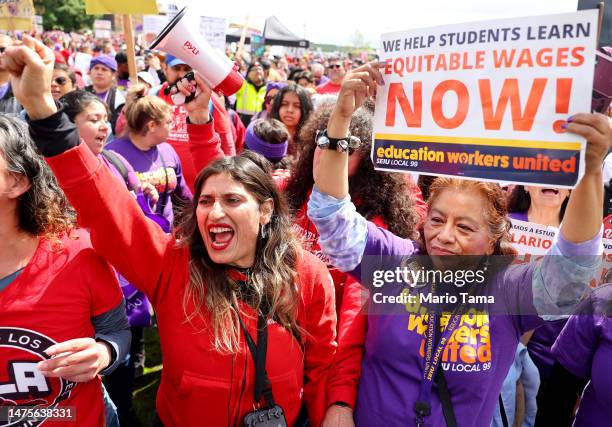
(16, 15)
(38, 23)
(134, 7)
(153, 24)
(213, 29)
(82, 61)
(487, 100)
(103, 29)
(531, 239)
(606, 271)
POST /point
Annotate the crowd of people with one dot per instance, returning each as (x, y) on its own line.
(229, 224)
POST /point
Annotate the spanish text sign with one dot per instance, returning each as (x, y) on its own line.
(487, 100)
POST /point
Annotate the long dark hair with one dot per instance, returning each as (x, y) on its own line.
(376, 193)
(43, 210)
(305, 103)
(272, 276)
(519, 200)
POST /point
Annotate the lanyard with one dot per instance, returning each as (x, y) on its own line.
(258, 353)
(432, 358)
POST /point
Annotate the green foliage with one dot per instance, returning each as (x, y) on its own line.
(67, 15)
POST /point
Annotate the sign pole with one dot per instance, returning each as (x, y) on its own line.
(131, 54)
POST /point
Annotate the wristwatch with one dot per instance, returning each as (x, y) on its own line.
(342, 145)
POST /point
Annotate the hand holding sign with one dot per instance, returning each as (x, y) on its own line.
(597, 130)
(358, 85)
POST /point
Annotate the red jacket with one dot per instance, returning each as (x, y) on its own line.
(200, 386)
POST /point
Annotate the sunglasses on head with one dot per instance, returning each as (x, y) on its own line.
(60, 80)
(335, 66)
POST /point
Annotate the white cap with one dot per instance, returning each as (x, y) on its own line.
(147, 77)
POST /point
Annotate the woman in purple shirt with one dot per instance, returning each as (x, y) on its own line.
(148, 120)
(584, 348)
(401, 382)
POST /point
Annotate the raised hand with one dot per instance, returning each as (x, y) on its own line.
(31, 68)
(597, 130)
(198, 108)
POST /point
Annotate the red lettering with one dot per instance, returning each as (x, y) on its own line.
(412, 116)
(521, 120)
(462, 105)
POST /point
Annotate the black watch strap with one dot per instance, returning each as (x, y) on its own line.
(333, 142)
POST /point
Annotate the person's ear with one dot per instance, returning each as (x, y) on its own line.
(18, 187)
(266, 209)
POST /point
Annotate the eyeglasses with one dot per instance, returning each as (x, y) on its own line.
(60, 80)
(334, 66)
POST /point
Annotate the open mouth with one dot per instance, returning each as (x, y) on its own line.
(550, 191)
(100, 139)
(221, 236)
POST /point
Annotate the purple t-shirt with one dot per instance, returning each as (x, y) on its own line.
(475, 361)
(543, 338)
(159, 166)
(584, 348)
(132, 180)
(521, 216)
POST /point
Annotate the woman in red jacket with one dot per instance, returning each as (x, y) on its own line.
(233, 281)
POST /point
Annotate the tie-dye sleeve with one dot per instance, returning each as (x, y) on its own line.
(561, 280)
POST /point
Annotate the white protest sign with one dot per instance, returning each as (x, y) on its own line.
(153, 24)
(487, 100)
(606, 271)
(38, 23)
(213, 30)
(81, 61)
(531, 239)
(102, 29)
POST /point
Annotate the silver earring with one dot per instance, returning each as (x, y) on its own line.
(264, 231)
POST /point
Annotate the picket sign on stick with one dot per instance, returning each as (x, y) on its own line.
(487, 100)
(131, 52)
(601, 7)
(242, 37)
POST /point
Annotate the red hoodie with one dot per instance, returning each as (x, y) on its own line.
(200, 386)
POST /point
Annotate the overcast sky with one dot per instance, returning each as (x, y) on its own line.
(333, 21)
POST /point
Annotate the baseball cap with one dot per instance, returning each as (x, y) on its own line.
(147, 77)
(172, 61)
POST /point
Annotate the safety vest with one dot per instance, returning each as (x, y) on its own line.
(249, 100)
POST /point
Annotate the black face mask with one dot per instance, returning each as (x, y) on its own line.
(124, 76)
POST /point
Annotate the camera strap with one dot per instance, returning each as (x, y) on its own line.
(258, 353)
